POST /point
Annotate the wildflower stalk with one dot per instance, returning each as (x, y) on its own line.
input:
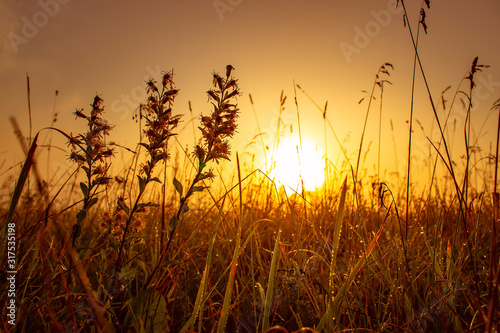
(159, 128)
(216, 129)
(89, 151)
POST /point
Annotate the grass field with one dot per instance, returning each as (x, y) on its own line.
(148, 249)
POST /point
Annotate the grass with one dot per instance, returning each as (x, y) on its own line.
(153, 251)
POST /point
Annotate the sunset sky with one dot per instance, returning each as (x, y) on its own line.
(332, 49)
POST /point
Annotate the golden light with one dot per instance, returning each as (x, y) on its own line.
(291, 166)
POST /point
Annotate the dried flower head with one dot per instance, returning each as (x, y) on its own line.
(116, 222)
(90, 144)
(160, 122)
(77, 158)
(216, 129)
(221, 124)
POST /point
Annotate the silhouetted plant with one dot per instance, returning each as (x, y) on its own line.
(160, 124)
(216, 129)
(89, 151)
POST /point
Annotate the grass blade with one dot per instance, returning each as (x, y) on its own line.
(204, 279)
(338, 229)
(336, 240)
(234, 263)
(21, 180)
(334, 304)
(270, 283)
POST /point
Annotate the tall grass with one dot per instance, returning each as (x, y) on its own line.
(151, 251)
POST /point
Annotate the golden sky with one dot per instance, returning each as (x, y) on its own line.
(332, 49)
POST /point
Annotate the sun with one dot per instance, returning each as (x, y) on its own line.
(291, 166)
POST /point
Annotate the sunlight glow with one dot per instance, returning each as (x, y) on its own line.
(290, 167)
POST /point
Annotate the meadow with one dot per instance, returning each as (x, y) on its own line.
(163, 244)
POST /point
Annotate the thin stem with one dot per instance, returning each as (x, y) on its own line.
(494, 272)
(260, 131)
(462, 204)
(127, 225)
(408, 177)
